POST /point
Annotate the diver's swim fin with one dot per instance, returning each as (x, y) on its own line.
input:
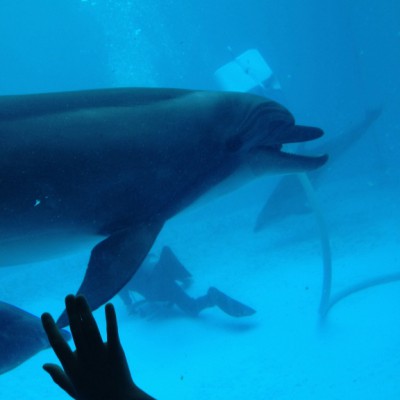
(230, 306)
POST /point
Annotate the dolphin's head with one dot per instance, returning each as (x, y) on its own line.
(260, 129)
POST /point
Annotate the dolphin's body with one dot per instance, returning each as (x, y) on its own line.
(288, 197)
(114, 165)
(21, 336)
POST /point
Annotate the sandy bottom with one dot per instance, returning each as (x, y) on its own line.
(283, 351)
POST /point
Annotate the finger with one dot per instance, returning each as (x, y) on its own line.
(57, 342)
(89, 325)
(112, 326)
(60, 378)
(75, 322)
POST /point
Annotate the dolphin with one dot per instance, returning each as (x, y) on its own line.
(110, 166)
(21, 336)
(288, 197)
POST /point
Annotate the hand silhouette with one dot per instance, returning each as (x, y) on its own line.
(95, 370)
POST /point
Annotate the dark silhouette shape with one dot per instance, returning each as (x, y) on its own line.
(95, 370)
(21, 336)
(165, 281)
(288, 197)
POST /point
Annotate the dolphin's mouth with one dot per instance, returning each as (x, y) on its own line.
(271, 158)
(272, 147)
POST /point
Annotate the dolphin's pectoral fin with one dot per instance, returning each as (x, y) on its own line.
(113, 262)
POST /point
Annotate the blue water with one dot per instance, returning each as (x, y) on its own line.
(334, 60)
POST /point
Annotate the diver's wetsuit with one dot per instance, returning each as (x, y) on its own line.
(158, 281)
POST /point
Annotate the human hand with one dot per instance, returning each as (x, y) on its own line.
(95, 370)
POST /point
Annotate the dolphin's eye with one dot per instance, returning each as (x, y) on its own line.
(234, 144)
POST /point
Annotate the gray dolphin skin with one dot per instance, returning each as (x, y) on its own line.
(21, 336)
(113, 165)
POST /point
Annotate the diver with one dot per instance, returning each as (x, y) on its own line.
(165, 280)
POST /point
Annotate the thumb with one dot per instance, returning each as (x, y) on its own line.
(60, 378)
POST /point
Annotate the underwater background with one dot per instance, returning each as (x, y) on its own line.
(336, 61)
